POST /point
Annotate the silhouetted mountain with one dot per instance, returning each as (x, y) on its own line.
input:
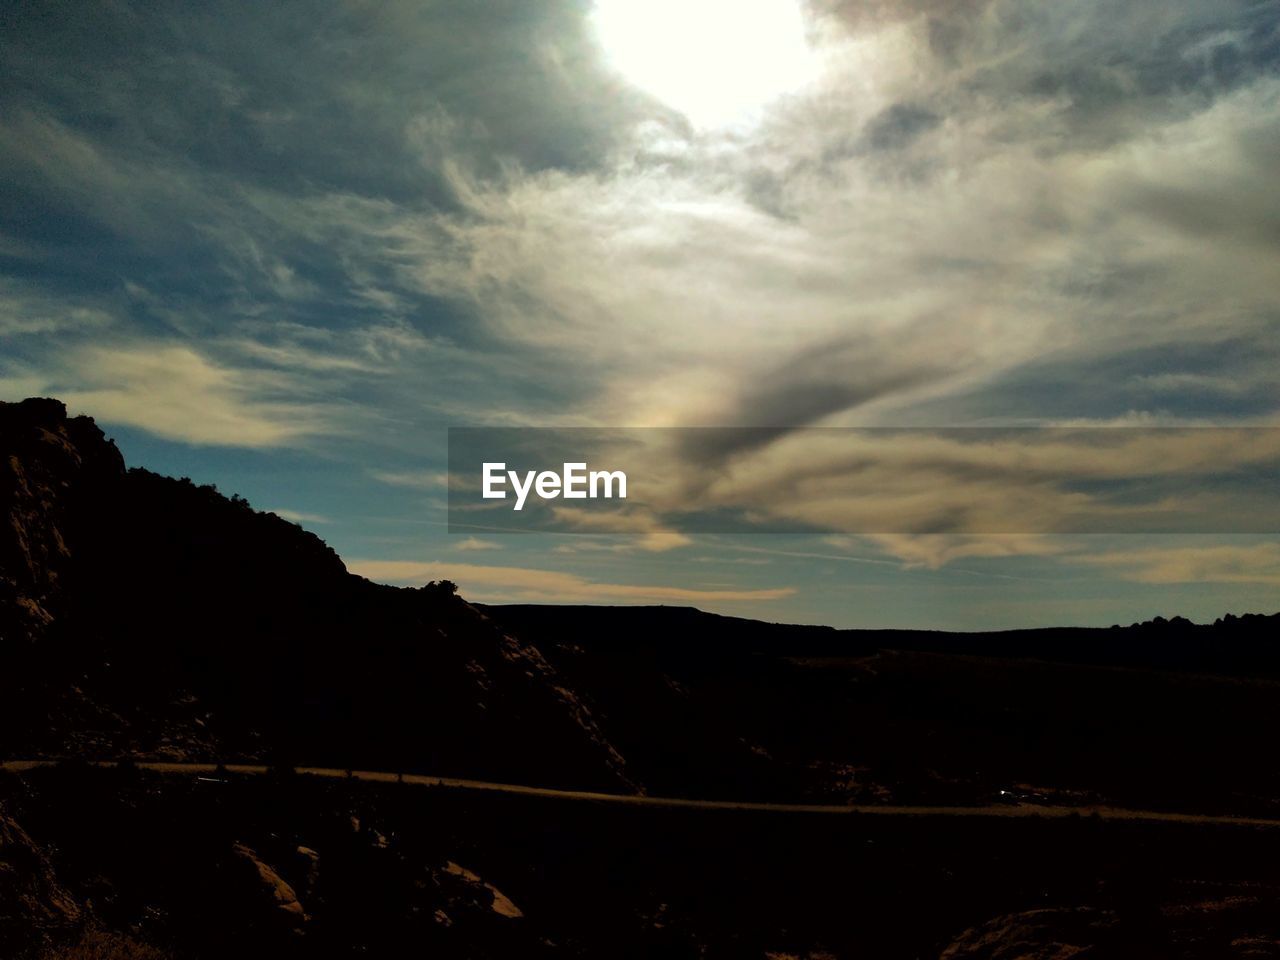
(146, 615)
(1231, 644)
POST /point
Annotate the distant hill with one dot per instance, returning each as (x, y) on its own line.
(1244, 644)
(1161, 714)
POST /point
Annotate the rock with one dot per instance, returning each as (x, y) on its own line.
(310, 860)
(1050, 934)
(486, 894)
(47, 461)
(271, 889)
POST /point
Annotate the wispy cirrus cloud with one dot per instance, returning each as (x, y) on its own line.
(1208, 563)
(418, 479)
(471, 544)
(657, 541)
(298, 516)
(647, 532)
(28, 311)
(936, 551)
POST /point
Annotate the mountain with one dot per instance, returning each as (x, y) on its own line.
(152, 617)
(1231, 645)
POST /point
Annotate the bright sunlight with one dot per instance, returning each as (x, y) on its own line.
(716, 61)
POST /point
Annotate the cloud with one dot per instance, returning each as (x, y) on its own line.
(27, 311)
(648, 533)
(1212, 563)
(915, 553)
(866, 286)
(418, 479)
(897, 125)
(297, 357)
(656, 541)
(935, 552)
(660, 541)
(176, 393)
(297, 516)
(521, 584)
(475, 543)
(987, 211)
(924, 222)
(971, 484)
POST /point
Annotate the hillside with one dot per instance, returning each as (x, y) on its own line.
(154, 617)
(1165, 715)
(134, 866)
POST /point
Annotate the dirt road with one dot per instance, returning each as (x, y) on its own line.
(453, 783)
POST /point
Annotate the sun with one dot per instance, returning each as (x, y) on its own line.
(716, 61)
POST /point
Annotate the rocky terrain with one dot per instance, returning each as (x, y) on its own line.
(130, 864)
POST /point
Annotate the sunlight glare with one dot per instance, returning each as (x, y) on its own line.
(716, 61)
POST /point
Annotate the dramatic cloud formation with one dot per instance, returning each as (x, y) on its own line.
(975, 481)
(311, 239)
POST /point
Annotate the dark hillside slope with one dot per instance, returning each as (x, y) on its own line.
(151, 616)
(1245, 645)
(1160, 715)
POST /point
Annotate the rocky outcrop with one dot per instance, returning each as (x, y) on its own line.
(160, 618)
(33, 905)
(465, 888)
(1050, 934)
(48, 463)
(267, 890)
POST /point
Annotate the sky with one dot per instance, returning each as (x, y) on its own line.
(284, 247)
